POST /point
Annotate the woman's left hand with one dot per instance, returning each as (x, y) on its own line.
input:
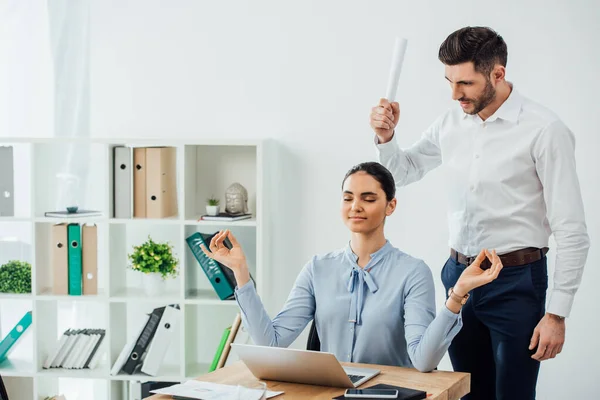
(473, 276)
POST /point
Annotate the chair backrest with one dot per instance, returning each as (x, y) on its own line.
(313, 343)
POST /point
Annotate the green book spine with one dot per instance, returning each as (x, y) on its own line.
(224, 338)
(75, 266)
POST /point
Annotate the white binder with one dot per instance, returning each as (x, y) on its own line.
(123, 176)
(7, 187)
(164, 336)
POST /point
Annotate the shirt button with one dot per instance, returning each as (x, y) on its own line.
(476, 155)
(472, 188)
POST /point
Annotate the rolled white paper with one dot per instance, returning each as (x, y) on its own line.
(397, 59)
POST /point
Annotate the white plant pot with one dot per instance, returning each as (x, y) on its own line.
(154, 284)
(212, 210)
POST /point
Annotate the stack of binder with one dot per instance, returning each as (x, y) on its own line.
(221, 278)
(8, 343)
(74, 259)
(146, 352)
(77, 349)
(150, 174)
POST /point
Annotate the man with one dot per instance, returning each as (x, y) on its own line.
(511, 182)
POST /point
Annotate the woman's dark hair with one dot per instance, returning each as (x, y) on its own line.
(380, 173)
(480, 45)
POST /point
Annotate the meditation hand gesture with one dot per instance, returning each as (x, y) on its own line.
(233, 258)
(473, 276)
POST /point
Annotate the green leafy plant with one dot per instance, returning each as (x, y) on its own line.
(152, 257)
(15, 277)
(213, 201)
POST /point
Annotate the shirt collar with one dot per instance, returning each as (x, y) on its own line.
(508, 111)
(375, 257)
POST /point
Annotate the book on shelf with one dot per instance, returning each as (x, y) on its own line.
(227, 217)
(76, 214)
(77, 349)
(220, 348)
(16, 333)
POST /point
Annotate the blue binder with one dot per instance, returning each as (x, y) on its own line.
(14, 335)
(75, 265)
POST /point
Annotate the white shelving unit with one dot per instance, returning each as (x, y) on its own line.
(204, 168)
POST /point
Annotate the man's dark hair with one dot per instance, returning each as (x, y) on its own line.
(481, 45)
(381, 175)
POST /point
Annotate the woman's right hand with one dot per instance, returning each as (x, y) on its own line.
(233, 258)
(473, 276)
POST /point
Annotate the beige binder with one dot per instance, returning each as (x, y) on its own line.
(60, 259)
(89, 254)
(139, 182)
(161, 182)
(234, 330)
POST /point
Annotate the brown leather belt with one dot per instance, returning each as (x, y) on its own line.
(512, 259)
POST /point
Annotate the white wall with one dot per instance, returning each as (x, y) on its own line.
(306, 74)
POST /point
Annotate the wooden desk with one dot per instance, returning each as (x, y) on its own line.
(438, 384)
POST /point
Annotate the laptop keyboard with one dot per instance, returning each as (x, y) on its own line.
(355, 378)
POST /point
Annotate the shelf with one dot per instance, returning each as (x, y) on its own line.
(138, 294)
(46, 295)
(16, 367)
(243, 222)
(96, 373)
(16, 296)
(206, 297)
(80, 220)
(175, 220)
(168, 373)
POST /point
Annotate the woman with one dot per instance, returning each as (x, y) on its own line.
(371, 302)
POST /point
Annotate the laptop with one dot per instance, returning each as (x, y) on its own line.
(301, 366)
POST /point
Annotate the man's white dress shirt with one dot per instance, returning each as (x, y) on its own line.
(511, 182)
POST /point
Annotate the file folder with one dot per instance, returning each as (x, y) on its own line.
(8, 343)
(139, 182)
(161, 182)
(234, 330)
(60, 259)
(89, 252)
(164, 336)
(122, 182)
(7, 201)
(213, 270)
(141, 345)
(75, 270)
(126, 351)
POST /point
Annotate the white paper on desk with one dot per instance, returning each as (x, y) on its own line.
(213, 391)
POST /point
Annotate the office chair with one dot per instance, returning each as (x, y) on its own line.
(3, 394)
(313, 343)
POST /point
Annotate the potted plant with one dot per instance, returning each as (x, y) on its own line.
(157, 263)
(15, 277)
(212, 207)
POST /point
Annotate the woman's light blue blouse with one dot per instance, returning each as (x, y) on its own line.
(382, 314)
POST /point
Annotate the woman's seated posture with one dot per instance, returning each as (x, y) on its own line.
(371, 302)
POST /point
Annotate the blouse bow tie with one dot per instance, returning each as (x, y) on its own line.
(356, 286)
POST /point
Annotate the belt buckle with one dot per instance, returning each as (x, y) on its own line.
(470, 260)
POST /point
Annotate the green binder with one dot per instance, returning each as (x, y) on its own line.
(14, 335)
(215, 272)
(75, 267)
(217, 356)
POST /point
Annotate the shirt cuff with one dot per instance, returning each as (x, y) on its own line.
(388, 148)
(560, 303)
(449, 314)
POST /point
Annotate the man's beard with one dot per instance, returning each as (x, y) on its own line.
(488, 95)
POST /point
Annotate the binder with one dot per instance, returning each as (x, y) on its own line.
(75, 270)
(164, 336)
(234, 330)
(220, 348)
(161, 182)
(60, 259)
(242, 337)
(141, 345)
(7, 200)
(139, 182)
(126, 351)
(14, 335)
(89, 253)
(66, 349)
(122, 182)
(213, 270)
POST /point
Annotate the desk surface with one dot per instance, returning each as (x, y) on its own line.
(439, 385)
